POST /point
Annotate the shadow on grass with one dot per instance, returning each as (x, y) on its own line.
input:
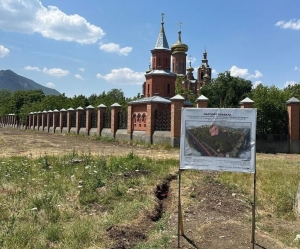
(190, 241)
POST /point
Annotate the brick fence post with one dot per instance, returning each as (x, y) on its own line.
(88, 118)
(150, 121)
(48, 119)
(44, 119)
(101, 109)
(129, 121)
(247, 103)
(293, 108)
(69, 113)
(62, 114)
(30, 120)
(202, 102)
(55, 115)
(177, 103)
(38, 120)
(34, 120)
(79, 112)
(115, 109)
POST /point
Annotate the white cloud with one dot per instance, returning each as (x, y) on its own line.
(30, 16)
(123, 76)
(50, 85)
(290, 83)
(81, 69)
(257, 74)
(78, 76)
(297, 68)
(239, 72)
(3, 51)
(58, 72)
(256, 84)
(115, 48)
(30, 68)
(291, 24)
(244, 73)
(214, 71)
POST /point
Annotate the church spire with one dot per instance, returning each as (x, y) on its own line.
(162, 42)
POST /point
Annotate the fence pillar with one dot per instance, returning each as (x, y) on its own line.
(55, 115)
(150, 121)
(79, 111)
(293, 108)
(88, 118)
(247, 103)
(129, 120)
(38, 120)
(62, 114)
(100, 121)
(34, 121)
(177, 103)
(44, 116)
(70, 111)
(115, 109)
(48, 120)
(30, 120)
(202, 102)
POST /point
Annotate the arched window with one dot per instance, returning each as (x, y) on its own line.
(139, 119)
(159, 61)
(148, 89)
(202, 74)
(134, 119)
(168, 88)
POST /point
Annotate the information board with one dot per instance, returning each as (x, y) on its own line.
(221, 139)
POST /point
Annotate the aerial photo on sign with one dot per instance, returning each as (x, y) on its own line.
(218, 139)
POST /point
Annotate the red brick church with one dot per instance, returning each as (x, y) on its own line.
(161, 78)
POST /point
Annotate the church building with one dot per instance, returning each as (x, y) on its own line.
(161, 78)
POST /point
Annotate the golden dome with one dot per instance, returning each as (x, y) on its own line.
(179, 46)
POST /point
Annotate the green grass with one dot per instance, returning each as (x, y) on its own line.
(52, 202)
(277, 179)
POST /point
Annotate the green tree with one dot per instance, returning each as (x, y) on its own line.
(293, 91)
(5, 96)
(270, 102)
(184, 92)
(226, 90)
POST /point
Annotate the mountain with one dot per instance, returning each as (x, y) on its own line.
(12, 81)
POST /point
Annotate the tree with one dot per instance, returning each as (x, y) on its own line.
(270, 102)
(184, 92)
(293, 91)
(5, 96)
(226, 90)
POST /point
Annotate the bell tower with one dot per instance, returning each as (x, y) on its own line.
(204, 72)
(160, 80)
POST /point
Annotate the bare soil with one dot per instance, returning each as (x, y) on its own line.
(217, 217)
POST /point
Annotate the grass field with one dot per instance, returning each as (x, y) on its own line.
(84, 201)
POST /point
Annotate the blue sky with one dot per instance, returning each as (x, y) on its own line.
(91, 46)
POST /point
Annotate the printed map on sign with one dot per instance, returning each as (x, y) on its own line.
(218, 139)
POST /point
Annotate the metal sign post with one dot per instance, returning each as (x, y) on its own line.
(253, 211)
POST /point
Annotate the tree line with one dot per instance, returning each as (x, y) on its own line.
(21, 103)
(224, 91)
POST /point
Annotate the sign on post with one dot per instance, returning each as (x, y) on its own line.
(221, 139)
